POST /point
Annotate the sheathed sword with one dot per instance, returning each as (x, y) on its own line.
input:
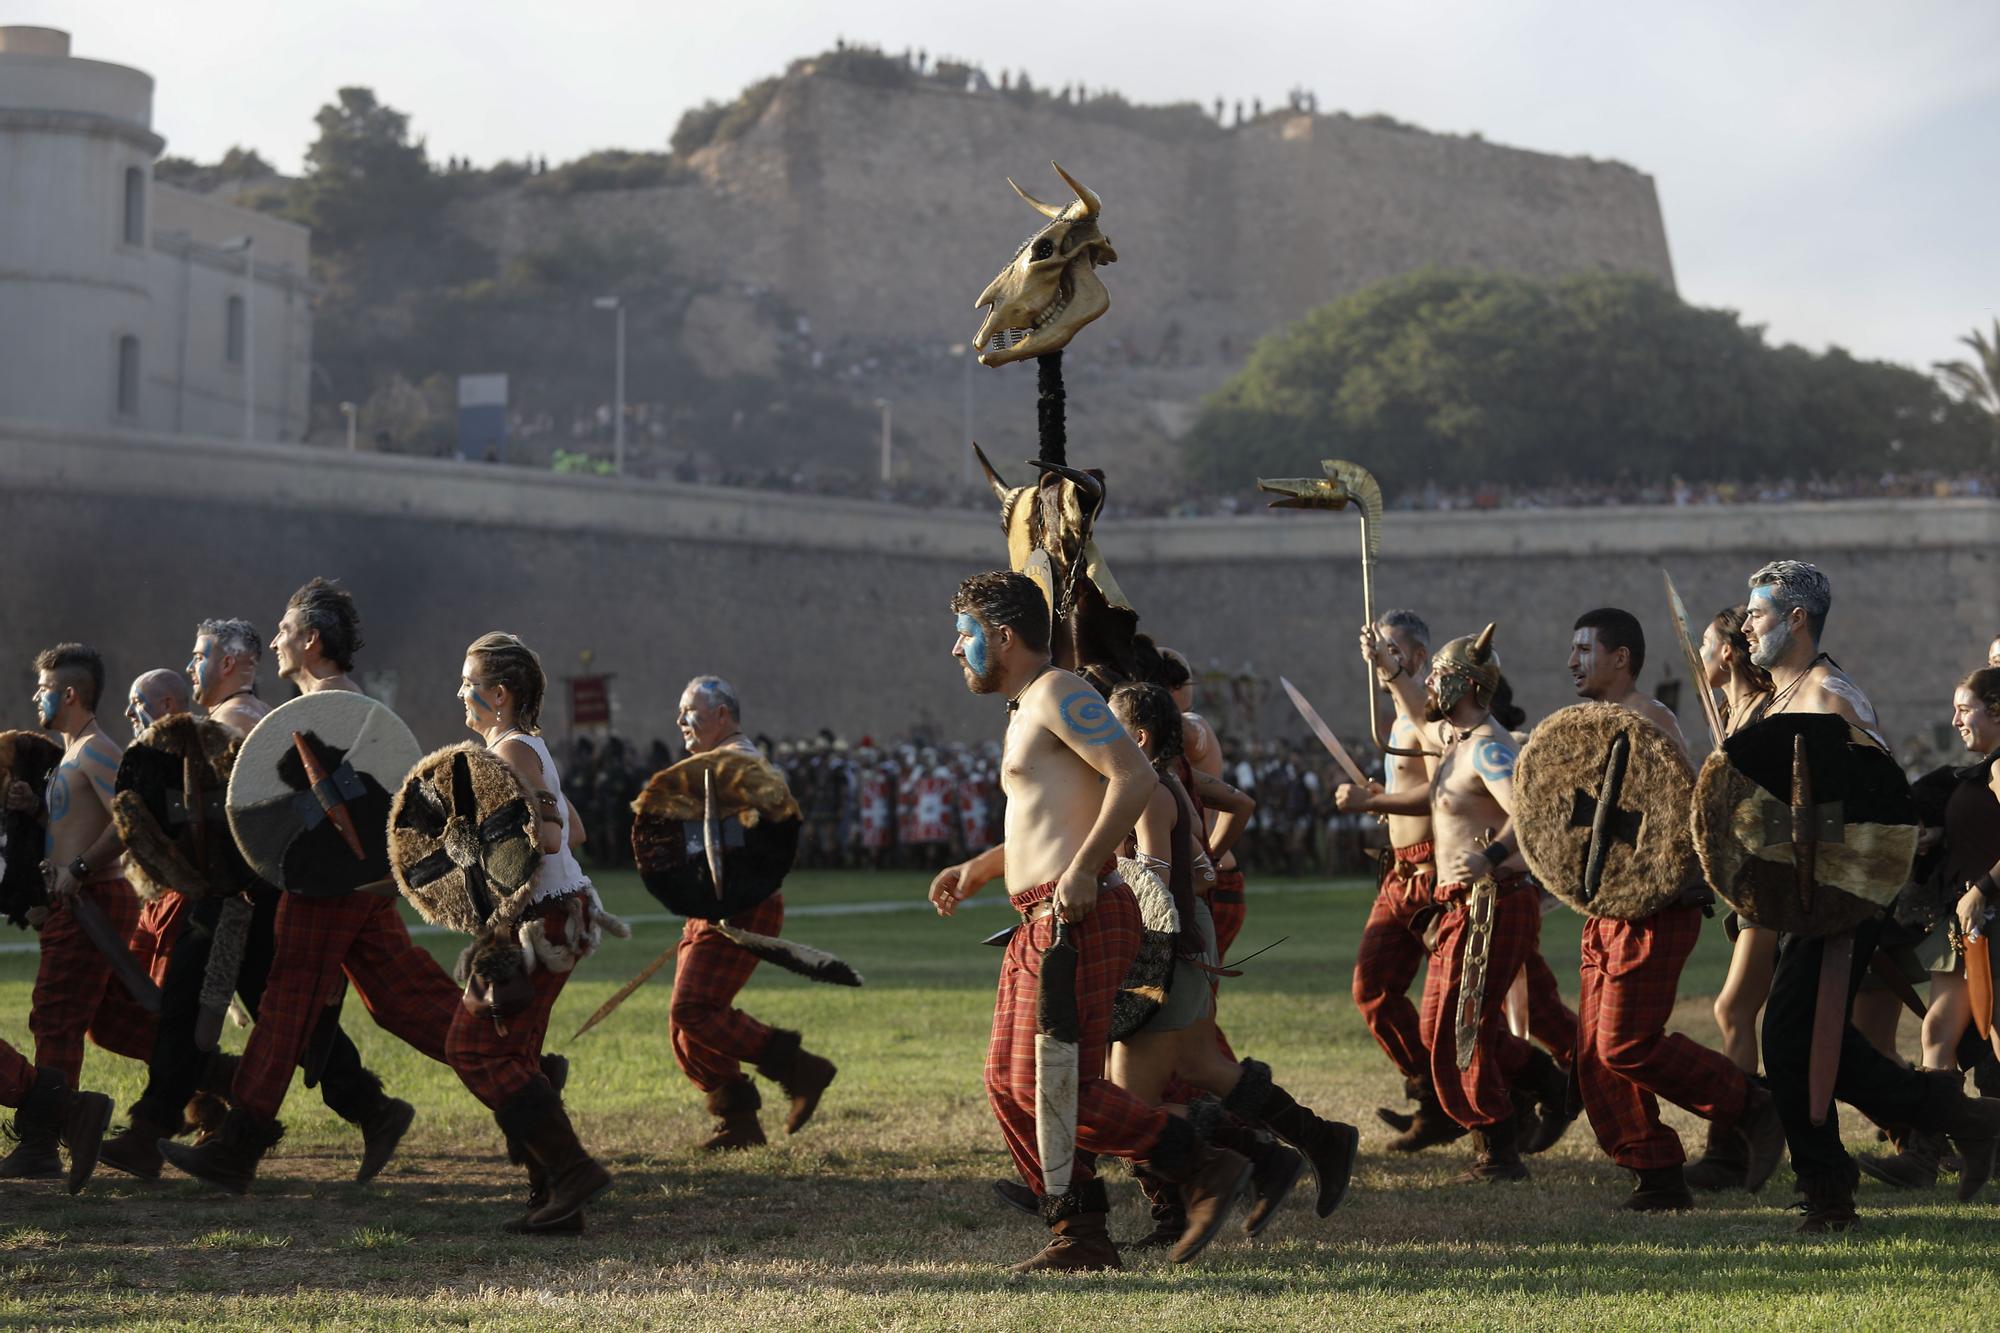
(108, 942)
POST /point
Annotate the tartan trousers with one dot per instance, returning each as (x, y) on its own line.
(496, 1065)
(1550, 1021)
(1627, 1058)
(1478, 1095)
(17, 1076)
(315, 941)
(158, 931)
(712, 1038)
(76, 994)
(1108, 1118)
(1391, 952)
(1227, 908)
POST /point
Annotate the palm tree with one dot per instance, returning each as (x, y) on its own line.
(1977, 381)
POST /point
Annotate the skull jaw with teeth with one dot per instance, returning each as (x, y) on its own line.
(1051, 288)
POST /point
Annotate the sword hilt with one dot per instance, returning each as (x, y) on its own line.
(329, 797)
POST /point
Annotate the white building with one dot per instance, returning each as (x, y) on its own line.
(124, 301)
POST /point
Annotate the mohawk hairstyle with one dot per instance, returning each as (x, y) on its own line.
(76, 667)
(328, 610)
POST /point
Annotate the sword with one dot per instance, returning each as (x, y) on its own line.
(1057, 1031)
(123, 966)
(1697, 674)
(1324, 732)
(624, 992)
(1478, 943)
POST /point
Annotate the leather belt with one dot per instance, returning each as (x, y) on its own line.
(1037, 911)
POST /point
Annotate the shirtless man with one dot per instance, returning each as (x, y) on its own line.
(1075, 786)
(155, 694)
(1631, 969)
(76, 992)
(222, 674)
(314, 942)
(712, 1039)
(1789, 601)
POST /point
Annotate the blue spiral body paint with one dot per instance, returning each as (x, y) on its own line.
(1085, 713)
(977, 655)
(1493, 759)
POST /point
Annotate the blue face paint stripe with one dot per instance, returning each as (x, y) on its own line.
(977, 655)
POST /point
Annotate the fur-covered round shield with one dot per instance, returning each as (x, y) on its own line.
(462, 839)
(752, 827)
(1602, 808)
(1144, 989)
(1804, 824)
(25, 756)
(309, 796)
(171, 808)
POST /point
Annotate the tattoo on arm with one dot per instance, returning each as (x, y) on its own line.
(1494, 760)
(1089, 718)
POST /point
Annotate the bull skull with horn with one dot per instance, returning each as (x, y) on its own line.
(1050, 289)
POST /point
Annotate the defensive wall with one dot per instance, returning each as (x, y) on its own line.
(832, 613)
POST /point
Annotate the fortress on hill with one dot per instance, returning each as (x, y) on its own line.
(872, 201)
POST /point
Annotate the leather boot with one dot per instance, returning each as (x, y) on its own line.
(1724, 1161)
(1329, 1145)
(1163, 1203)
(1496, 1154)
(229, 1160)
(1658, 1189)
(1018, 1197)
(37, 1151)
(76, 1120)
(1427, 1128)
(1548, 1084)
(803, 1075)
(381, 1130)
(1211, 1180)
(571, 1176)
(135, 1150)
(734, 1105)
(1914, 1166)
(1275, 1168)
(538, 1182)
(204, 1114)
(1078, 1243)
(1972, 1122)
(1829, 1203)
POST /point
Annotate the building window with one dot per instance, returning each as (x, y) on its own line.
(135, 206)
(128, 376)
(232, 336)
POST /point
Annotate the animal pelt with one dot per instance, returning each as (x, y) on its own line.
(496, 836)
(1557, 779)
(582, 929)
(810, 963)
(25, 756)
(154, 768)
(746, 787)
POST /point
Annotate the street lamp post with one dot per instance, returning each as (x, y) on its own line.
(348, 409)
(888, 409)
(247, 244)
(965, 351)
(617, 306)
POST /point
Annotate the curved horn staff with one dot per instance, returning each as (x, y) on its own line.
(1347, 483)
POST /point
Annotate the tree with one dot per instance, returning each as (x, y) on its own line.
(363, 174)
(1477, 377)
(1977, 382)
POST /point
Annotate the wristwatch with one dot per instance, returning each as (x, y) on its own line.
(79, 870)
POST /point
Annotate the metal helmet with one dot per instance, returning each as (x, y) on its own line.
(1466, 665)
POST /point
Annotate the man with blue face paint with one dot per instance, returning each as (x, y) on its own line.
(223, 670)
(76, 992)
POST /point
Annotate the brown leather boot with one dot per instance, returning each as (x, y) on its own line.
(135, 1150)
(1079, 1243)
(1973, 1124)
(1211, 1181)
(382, 1129)
(76, 1120)
(1163, 1204)
(1829, 1203)
(1658, 1189)
(1330, 1145)
(1427, 1128)
(538, 1193)
(803, 1075)
(229, 1160)
(1018, 1197)
(1496, 1155)
(572, 1177)
(1724, 1161)
(1914, 1165)
(1548, 1083)
(734, 1105)
(1275, 1167)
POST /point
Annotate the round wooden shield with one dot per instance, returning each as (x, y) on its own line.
(1804, 824)
(25, 756)
(755, 832)
(309, 796)
(1602, 811)
(171, 808)
(462, 839)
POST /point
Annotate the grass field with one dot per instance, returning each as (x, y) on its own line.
(878, 1215)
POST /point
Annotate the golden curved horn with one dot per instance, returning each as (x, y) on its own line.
(1092, 205)
(1046, 210)
(1482, 647)
(1000, 488)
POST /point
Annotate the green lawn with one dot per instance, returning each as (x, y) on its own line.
(878, 1214)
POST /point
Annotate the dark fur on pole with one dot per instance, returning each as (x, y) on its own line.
(810, 963)
(1049, 418)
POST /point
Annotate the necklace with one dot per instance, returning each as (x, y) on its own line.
(511, 731)
(1014, 704)
(1778, 700)
(238, 695)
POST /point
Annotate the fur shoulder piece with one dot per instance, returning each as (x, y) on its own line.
(746, 785)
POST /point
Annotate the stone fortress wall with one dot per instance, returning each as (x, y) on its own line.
(832, 613)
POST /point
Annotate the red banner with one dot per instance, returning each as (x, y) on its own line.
(589, 701)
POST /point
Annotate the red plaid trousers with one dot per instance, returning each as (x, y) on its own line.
(1550, 1021)
(314, 941)
(1226, 906)
(17, 1076)
(1391, 952)
(159, 927)
(76, 994)
(1108, 1118)
(1477, 1095)
(496, 1065)
(712, 1038)
(1631, 970)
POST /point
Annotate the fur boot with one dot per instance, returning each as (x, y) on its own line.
(229, 1160)
(734, 1105)
(803, 1075)
(1078, 1242)
(1211, 1180)
(75, 1120)
(1329, 1145)
(135, 1150)
(572, 1177)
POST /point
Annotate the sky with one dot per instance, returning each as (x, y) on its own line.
(1830, 170)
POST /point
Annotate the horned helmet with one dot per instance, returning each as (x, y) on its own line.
(1051, 288)
(1467, 665)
